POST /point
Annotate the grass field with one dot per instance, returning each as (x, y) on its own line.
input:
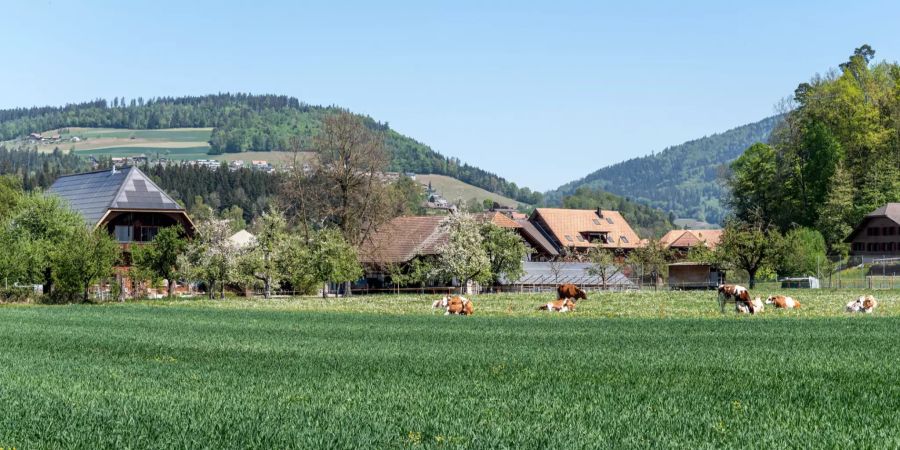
(176, 153)
(625, 370)
(452, 190)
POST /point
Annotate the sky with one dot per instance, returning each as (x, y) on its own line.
(540, 93)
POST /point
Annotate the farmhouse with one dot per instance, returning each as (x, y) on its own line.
(681, 241)
(877, 236)
(125, 202)
(577, 230)
(398, 243)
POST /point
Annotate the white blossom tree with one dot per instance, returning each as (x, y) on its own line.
(463, 256)
(211, 257)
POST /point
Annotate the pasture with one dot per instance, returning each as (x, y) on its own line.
(638, 369)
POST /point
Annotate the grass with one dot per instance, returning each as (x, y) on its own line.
(173, 153)
(452, 190)
(386, 372)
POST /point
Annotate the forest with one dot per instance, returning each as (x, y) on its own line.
(684, 179)
(833, 159)
(243, 122)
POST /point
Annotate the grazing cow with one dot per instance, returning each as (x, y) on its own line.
(734, 293)
(561, 305)
(782, 302)
(570, 291)
(455, 305)
(866, 304)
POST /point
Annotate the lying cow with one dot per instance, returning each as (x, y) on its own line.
(561, 305)
(865, 304)
(782, 302)
(752, 307)
(455, 305)
(735, 293)
(570, 291)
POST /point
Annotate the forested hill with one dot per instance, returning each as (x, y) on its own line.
(682, 179)
(243, 122)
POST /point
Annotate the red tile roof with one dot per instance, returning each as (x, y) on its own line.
(690, 238)
(568, 225)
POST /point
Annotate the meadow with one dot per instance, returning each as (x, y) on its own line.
(638, 369)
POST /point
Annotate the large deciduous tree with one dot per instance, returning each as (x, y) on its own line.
(505, 251)
(88, 257)
(463, 257)
(749, 246)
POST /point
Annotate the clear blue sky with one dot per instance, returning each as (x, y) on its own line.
(540, 93)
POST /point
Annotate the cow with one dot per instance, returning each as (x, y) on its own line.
(734, 293)
(561, 305)
(865, 303)
(570, 291)
(752, 307)
(455, 305)
(782, 302)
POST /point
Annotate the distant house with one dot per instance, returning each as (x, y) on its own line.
(681, 241)
(126, 203)
(399, 242)
(577, 230)
(877, 236)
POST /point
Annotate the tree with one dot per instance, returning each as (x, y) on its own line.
(463, 257)
(603, 263)
(10, 195)
(210, 257)
(837, 212)
(87, 257)
(652, 258)
(160, 257)
(407, 197)
(753, 181)
(268, 249)
(803, 253)
(235, 216)
(332, 259)
(749, 246)
(505, 251)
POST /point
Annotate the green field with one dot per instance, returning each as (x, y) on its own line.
(626, 370)
(171, 153)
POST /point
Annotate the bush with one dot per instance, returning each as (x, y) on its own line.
(17, 295)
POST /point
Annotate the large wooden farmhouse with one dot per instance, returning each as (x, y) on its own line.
(877, 236)
(125, 202)
(577, 230)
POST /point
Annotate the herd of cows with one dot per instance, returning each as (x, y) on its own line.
(569, 294)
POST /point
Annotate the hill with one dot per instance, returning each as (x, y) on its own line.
(682, 179)
(240, 123)
(454, 190)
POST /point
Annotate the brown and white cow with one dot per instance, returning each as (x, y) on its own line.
(455, 305)
(782, 302)
(734, 293)
(571, 291)
(561, 305)
(752, 307)
(865, 303)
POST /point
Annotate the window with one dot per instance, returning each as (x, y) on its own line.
(609, 220)
(580, 239)
(123, 233)
(872, 231)
(596, 221)
(624, 240)
(885, 231)
(148, 233)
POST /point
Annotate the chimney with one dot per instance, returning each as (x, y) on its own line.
(599, 213)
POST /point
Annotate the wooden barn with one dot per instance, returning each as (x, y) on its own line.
(691, 275)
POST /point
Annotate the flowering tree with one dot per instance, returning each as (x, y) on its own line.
(463, 256)
(211, 257)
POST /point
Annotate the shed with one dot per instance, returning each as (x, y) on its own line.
(800, 283)
(693, 275)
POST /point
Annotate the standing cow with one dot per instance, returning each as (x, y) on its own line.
(735, 293)
(570, 291)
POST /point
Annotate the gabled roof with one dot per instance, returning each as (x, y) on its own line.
(536, 238)
(92, 194)
(403, 238)
(497, 218)
(889, 211)
(567, 225)
(690, 238)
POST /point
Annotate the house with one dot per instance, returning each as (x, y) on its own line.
(398, 242)
(681, 241)
(126, 203)
(877, 236)
(578, 230)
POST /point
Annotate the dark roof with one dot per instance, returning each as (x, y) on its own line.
(536, 238)
(92, 194)
(403, 238)
(569, 272)
(889, 210)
